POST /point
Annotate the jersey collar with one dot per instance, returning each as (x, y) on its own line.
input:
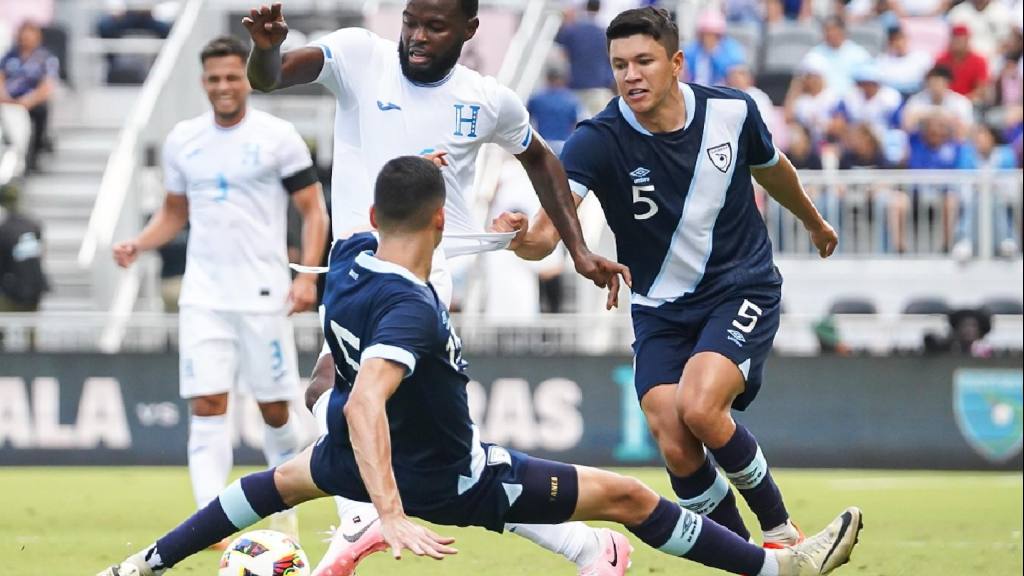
(688, 99)
(370, 262)
(434, 84)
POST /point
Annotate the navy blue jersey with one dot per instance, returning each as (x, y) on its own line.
(681, 204)
(377, 309)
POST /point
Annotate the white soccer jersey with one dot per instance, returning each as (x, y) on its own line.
(381, 115)
(237, 254)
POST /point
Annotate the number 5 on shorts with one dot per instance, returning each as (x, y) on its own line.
(749, 311)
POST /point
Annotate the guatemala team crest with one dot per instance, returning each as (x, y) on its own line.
(721, 156)
(988, 406)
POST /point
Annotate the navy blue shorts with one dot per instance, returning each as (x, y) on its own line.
(500, 486)
(741, 327)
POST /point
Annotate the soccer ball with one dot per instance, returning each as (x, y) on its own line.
(264, 553)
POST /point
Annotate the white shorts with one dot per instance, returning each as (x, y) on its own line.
(219, 349)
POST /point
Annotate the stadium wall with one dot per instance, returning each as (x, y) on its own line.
(894, 412)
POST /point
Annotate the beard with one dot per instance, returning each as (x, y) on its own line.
(433, 72)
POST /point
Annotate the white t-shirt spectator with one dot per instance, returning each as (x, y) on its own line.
(815, 112)
(841, 63)
(988, 27)
(878, 112)
(904, 73)
(956, 106)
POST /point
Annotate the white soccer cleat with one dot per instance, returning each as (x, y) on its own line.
(826, 550)
(614, 557)
(132, 566)
(350, 543)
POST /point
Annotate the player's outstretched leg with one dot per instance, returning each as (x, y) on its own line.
(675, 530)
(281, 440)
(240, 505)
(358, 535)
(710, 384)
(695, 480)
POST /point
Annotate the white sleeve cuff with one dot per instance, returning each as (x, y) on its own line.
(578, 189)
(393, 353)
(774, 160)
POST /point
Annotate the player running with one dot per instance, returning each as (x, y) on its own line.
(411, 98)
(671, 164)
(400, 434)
(229, 173)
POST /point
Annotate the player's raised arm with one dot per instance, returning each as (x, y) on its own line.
(782, 182)
(377, 380)
(268, 69)
(549, 180)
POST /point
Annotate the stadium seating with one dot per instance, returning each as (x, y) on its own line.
(852, 305)
(1007, 306)
(926, 305)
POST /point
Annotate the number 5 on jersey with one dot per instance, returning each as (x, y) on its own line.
(650, 207)
(750, 312)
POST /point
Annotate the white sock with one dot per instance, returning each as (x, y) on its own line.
(280, 444)
(576, 541)
(319, 411)
(771, 564)
(209, 456)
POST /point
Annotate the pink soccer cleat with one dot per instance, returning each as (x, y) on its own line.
(349, 546)
(614, 558)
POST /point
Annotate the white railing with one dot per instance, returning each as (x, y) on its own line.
(913, 212)
(553, 334)
(170, 93)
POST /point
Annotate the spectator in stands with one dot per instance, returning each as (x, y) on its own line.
(1009, 72)
(554, 110)
(935, 146)
(984, 152)
(779, 10)
(800, 149)
(872, 103)
(590, 75)
(28, 77)
(710, 56)
(900, 67)
(22, 282)
(884, 13)
(937, 97)
(809, 101)
(969, 69)
(122, 20)
(924, 7)
(841, 55)
(989, 24)
(744, 12)
(741, 78)
(862, 149)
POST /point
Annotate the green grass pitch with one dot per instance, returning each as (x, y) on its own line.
(75, 521)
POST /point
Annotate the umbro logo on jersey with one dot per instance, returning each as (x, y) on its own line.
(389, 106)
(721, 156)
(640, 175)
(736, 338)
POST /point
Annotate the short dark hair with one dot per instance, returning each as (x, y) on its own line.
(893, 33)
(593, 5)
(649, 21)
(835, 20)
(469, 8)
(407, 192)
(941, 71)
(224, 46)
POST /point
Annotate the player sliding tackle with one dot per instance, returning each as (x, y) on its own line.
(401, 437)
(410, 98)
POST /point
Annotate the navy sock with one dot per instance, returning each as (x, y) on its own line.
(242, 504)
(679, 532)
(708, 493)
(744, 463)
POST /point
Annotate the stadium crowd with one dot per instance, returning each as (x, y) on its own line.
(846, 84)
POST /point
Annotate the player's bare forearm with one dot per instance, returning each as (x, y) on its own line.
(370, 434)
(269, 70)
(310, 203)
(782, 182)
(552, 187)
(165, 224)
